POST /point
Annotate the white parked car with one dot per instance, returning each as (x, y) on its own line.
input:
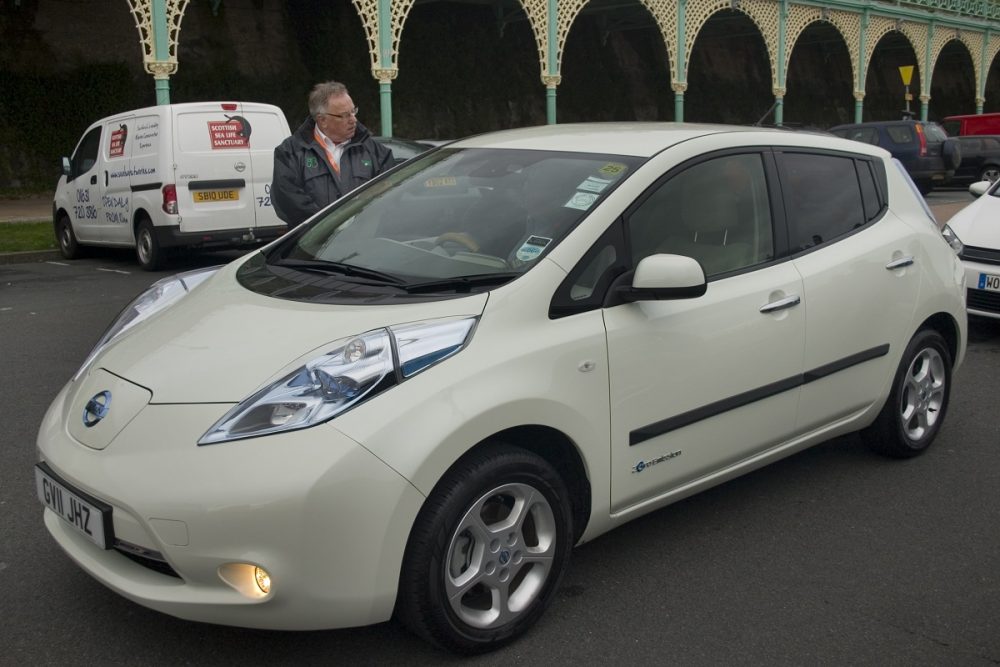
(975, 234)
(420, 400)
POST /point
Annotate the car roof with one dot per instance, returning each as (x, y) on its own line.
(640, 139)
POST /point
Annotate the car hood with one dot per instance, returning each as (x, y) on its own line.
(978, 224)
(222, 342)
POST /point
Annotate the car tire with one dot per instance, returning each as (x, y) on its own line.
(918, 402)
(952, 153)
(990, 172)
(487, 551)
(147, 249)
(69, 247)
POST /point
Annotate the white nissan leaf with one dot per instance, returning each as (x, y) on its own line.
(419, 401)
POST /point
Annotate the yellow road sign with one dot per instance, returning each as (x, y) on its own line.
(907, 73)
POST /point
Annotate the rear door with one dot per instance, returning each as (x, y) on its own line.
(861, 277)
(212, 168)
(114, 181)
(269, 129)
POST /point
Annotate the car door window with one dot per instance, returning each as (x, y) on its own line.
(900, 134)
(822, 198)
(716, 211)
(86, 153)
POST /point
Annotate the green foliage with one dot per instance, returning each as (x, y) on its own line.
(24, 236)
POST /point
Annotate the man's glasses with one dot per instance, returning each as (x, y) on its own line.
(341, 116)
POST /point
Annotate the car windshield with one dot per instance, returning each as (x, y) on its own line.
(475, 216)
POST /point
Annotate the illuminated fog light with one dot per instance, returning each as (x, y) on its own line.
(263, 580)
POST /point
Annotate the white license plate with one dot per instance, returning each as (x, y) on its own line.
(89, 516)
(989, 282)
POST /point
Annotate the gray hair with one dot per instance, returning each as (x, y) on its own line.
(321, 94)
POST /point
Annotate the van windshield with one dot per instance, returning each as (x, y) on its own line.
(478, 216)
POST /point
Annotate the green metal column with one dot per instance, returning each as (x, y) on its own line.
(859, 89)
(927, 73)
(985, 70)
(385, 63)
(553, 39)
(779, 97)
(161, 44)
(681, 84)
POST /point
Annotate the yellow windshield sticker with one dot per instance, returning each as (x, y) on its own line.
(613, 169)
(441, 182)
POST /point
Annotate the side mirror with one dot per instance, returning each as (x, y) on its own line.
(979, 188)
(661, 277)
(66, 168)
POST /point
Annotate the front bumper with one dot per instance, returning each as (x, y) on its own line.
(981, 302)
(326, 518)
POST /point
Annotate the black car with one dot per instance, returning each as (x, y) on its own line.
(980, 159)
(403, 149)
(925, 150)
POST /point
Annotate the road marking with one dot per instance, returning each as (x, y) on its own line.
(58, 263)
(124, 273)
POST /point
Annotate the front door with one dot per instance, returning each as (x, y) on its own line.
(84, 188)
(704, 383)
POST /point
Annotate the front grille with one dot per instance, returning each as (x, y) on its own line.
(982, 255)
(978, 299)
(149, 559)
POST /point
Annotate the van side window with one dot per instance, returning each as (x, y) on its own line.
(86, 153)
(822, 197)
(716, 211)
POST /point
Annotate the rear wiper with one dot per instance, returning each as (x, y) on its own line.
(339, 269)
(462, 283)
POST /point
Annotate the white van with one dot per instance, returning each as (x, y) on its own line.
(179, 175)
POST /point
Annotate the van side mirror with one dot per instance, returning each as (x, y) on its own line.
(979, 188)
(661, 277)
(66, 168)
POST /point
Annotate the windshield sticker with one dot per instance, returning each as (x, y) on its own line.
(594, 184)
(441, 182)
(613, 169)
(532, 248)
(581, 201)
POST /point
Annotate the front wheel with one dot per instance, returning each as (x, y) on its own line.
(917, 404)
(68, 245)
(487, 551)
(147, 249)
(990, 172)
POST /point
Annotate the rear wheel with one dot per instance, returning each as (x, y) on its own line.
(147, 249)
(916, 407)
(487, 551)
(990, 172)
(68, 245)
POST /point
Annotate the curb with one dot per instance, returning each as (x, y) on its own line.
(29, 256)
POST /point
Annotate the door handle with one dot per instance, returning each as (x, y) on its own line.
(93, 179)
(900, 263)
(781, 304)
(105, 179)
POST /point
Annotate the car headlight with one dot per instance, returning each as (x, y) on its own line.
(349, 373)
(952, 238)
(161, 295)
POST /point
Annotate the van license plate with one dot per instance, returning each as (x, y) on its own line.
(989, 282)
(90, 517)
(215, 195)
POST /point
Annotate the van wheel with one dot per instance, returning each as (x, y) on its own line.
(917, 404)
(147, 250)
(68, 245)
(487, 551)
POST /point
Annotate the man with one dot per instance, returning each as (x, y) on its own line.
(328, 156)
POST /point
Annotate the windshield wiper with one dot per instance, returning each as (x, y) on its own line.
(339, 269)
(461, 283)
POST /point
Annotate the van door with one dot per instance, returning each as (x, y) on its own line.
(212, 169)
(82, 183)
(269, 129)
(115, 204)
